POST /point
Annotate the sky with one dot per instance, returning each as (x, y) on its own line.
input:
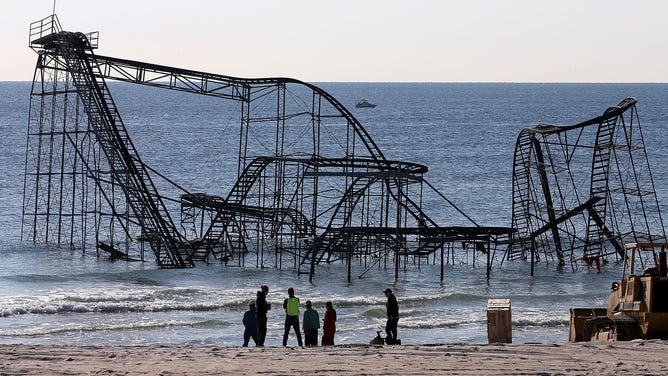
(365, 40)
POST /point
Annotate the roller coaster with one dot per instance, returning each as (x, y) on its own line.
(580, 192)
(311, 185)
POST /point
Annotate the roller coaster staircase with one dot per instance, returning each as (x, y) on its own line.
(596, 234)
(126, 167)
(225, 228)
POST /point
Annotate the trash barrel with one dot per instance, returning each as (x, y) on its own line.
(499, 324)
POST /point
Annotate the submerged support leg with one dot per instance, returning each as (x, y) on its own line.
(545, 184)
(442, 254)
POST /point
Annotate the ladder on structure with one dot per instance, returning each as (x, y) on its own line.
(596, 234)
(126, 167)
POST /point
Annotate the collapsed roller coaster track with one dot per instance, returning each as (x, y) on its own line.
(580, 192)
(311, 185)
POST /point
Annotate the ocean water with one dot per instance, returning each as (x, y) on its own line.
(464, 132)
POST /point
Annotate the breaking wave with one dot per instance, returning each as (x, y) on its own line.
(36, 331)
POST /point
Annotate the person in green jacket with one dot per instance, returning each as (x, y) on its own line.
(311, 325)
(291, 306)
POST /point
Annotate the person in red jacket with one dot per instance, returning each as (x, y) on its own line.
(329, 325)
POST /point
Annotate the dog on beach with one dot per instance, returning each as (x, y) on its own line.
(378, 340)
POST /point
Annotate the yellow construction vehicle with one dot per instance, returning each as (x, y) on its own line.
(637, 305)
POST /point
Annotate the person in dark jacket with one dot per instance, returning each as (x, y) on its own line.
(311, 325)
(250, 325)
(329, 325)
(291, 306)
(392, 317)
(262, 307)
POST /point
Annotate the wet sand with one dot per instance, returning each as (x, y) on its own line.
(616, 358)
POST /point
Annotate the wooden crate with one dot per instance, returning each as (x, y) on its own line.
(499, 321)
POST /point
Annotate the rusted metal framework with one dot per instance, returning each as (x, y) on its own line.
(311, 185)
(581, 191)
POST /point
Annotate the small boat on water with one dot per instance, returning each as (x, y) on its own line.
(364, 104)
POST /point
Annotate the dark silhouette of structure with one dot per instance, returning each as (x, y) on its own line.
(311, 185)
(580, 192)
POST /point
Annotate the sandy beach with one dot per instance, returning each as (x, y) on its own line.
(618, 358)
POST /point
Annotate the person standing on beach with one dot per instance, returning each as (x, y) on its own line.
(262, 307)
(392, 317)
(329, 325)
(311, 325)
(291, 306)
(250, 325)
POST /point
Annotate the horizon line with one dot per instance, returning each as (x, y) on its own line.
(450, 82)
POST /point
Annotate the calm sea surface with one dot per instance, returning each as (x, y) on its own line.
(464, 132)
